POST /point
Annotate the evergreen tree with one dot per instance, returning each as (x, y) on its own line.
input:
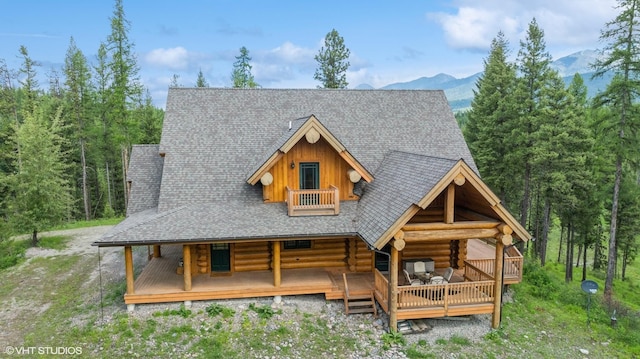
(78, 96)
(29, 82)
(125, 94)
(533, 65)
(563, 145)
(174, 81)
(241, 75)
(488, 127)
(40, 194)
(200, 81)
(621, 56)
(332, 62)
(629, 220)
(150, 119)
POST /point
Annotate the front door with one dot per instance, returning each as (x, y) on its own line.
(309, 179)
(220, 257)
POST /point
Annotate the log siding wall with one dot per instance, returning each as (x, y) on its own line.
(333, 171)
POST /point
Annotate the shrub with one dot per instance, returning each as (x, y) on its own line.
(12, 252)
(217, 309)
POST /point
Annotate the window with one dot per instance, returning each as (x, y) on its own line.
(309, 175)
(306, 244)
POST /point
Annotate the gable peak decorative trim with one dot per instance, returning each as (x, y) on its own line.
(312, 130)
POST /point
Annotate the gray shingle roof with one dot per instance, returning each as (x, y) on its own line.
(145, 173)
(402, 180)
(213, 138)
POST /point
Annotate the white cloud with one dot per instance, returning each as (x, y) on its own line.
(290, 54)
(177, 58)
(566, 23)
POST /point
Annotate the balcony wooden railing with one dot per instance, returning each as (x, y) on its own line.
(482, 269)
(313, 202)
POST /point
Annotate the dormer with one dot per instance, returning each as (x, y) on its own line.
(309, 169)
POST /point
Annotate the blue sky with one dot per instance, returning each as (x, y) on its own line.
(390, 41)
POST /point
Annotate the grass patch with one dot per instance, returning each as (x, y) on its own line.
(91, 223)
(182, 312)
(54, 242)
(12, 252)
(264, 311)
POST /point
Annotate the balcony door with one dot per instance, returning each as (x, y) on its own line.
(309, 179)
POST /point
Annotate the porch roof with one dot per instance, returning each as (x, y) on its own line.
(229, 221)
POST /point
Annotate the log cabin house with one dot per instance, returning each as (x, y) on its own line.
(272, 192)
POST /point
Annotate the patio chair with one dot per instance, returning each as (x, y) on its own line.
(409, 280)
(419, 268)
(448, 273)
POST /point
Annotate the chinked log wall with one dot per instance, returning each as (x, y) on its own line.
(439, 251)
(351, 254)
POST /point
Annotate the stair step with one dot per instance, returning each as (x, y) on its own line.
(361, 310)
(360, 304)
(357, 297)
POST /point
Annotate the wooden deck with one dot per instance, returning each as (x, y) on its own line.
(158, 282)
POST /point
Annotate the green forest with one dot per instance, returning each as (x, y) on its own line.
(560, 161)
(64, 145)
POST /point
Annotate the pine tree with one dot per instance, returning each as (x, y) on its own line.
(241, 74)
(125, 94)
(487, 128)
(78, 96)
(332, 61)
(200, 81)
(621, 56)
(29, 82)
(533, 65)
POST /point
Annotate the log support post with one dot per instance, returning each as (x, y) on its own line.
(277, 274)
(128, 268)
(156, 251)
(497, 304)
(393, 294)
(450, 200)
(186, 259)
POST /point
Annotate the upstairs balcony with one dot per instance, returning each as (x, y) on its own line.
(313, 202)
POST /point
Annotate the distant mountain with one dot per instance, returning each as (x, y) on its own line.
(459, 92)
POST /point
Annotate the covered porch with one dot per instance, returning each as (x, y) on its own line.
(159, 282)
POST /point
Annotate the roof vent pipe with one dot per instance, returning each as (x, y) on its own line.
(289, 125)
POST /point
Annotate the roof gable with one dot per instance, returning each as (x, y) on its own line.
(411, 182)
(311, 129)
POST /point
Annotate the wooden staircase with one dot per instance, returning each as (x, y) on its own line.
(358, 302)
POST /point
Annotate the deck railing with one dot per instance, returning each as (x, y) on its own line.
(478, 269)
(445, 294)
(481, 269)
(381, 289)
(309, 202)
